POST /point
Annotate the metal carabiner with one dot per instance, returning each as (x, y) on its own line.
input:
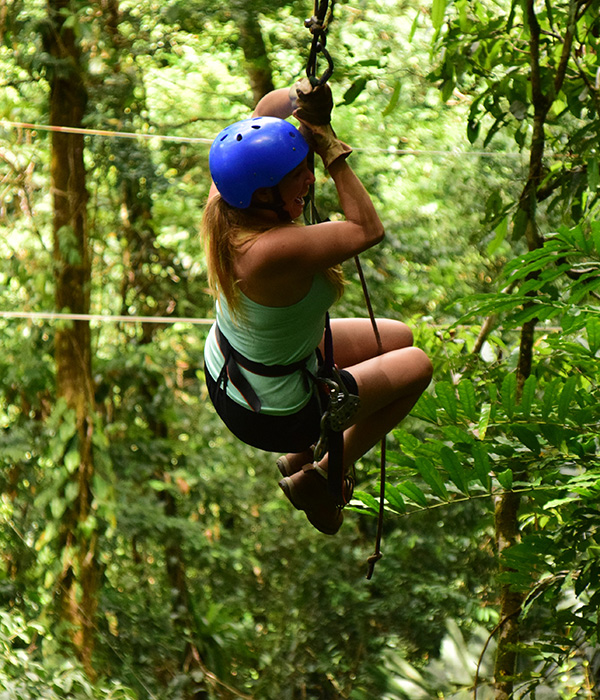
(318, 47)
(317, 25)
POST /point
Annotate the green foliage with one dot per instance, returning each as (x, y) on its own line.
(487, 436)
(28, 674)
(453, 675)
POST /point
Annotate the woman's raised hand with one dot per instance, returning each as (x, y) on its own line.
(312, 104)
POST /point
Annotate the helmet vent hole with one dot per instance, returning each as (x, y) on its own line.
(256, 126)
(239, 137)
(292, 134)
(224, 137)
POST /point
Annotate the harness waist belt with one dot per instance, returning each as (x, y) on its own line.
(234, 360)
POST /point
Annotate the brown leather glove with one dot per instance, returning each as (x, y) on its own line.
(313, 104)
(323, 140)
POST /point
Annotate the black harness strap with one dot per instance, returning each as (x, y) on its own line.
(335, 438)
(234, 360)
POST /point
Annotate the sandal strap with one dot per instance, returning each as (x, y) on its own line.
(315, 467)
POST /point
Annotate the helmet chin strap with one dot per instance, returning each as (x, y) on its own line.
(277, 205)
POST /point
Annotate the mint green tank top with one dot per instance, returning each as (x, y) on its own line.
(273, 335)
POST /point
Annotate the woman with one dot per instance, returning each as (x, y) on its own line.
(274, 281)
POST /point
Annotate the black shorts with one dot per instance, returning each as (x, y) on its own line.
(288, 433)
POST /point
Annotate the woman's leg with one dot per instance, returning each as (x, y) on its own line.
(390, 381)
(389, 384)
(354, 339)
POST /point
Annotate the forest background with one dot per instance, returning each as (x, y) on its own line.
(147, 554)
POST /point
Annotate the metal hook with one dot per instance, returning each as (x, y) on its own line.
(311, 68)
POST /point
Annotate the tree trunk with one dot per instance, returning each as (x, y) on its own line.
(507, 534)
(80, 576)
(257, 63)
(507, 507)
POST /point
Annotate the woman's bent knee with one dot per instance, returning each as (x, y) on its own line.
(427, 369)
(421, 367)
(394, 334)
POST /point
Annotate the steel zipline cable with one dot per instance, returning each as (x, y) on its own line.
(103, 318)
(102, 132)
(167, 138)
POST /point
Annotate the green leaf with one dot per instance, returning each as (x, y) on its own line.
(413, 492)
(508, 394)
(447, 398)
(72, 460)
(500, 231)
(592, 329)
(455, 469)
(456, 435)
(414, 26)
(367, 499)
(585, 285)
(596, 235)
(468, 399)
(158, 485)
(57, 507)
(394, 498)
(505, 479)
(484, 420)
(577, 238)
(550, 398)
(71, 491)
(566, 396)
(473, 130)
(438, 10)
(554, 434)
(432, 477)
(527, 437)
(354, 90)
(391, 106)
(408, 443)
(101, 488)
(426, 408)
(482, 465)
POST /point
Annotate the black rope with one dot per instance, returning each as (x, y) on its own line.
(374, 558)
(318, 25)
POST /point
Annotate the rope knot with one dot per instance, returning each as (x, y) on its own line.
(314, 25)
(374, 558)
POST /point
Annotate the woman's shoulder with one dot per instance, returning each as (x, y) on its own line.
(258, 252)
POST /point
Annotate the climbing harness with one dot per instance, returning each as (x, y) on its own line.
(234, 360)
(341, 405)
(336, 404)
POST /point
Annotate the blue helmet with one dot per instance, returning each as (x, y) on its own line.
(254, 153)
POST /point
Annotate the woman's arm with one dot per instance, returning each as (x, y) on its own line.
(275, 104)
(300, 251)
(304, 251)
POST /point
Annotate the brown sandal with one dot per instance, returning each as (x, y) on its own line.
(284, 466)
(307, 490)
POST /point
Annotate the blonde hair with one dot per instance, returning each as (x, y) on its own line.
(224, 230)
